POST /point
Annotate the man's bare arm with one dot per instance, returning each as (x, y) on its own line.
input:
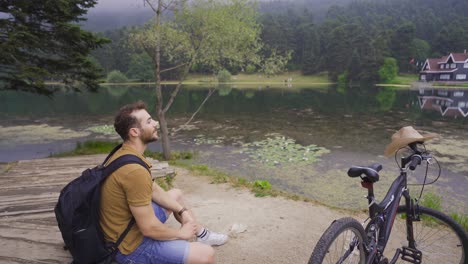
(164, 200)
(151, 227)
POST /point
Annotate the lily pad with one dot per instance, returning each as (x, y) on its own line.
(103, 129)
(280, 150)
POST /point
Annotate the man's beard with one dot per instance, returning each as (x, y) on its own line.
(145, 138)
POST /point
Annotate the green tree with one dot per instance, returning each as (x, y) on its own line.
(141, 67)
(389, 70)
(400, 45)
(275, 63)
(224, 76)
(451, 38)
(42, 40)
(117, 54)
(116, 76)
(420, 49)
(354, 66)
(205, 32)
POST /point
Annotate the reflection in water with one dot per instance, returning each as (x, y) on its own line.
(449, 102)
(353, 123)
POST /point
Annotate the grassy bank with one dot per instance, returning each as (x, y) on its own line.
(406, 80)
(292, 78)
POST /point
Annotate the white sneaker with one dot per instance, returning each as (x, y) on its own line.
(213, 238)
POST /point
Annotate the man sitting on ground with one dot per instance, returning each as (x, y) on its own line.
(130, 192)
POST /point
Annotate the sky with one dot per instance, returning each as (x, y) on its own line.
(113, 5)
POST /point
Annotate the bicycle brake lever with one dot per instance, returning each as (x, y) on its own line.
(428, 158)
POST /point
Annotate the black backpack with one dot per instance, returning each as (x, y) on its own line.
(77, 212)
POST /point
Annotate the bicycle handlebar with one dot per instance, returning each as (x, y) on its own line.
(415, 161)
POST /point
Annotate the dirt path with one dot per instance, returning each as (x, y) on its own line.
(277, 230)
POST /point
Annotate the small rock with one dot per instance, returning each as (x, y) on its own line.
(238, 228)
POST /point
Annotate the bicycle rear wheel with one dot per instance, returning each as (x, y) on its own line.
(439, 238)
(342, 242)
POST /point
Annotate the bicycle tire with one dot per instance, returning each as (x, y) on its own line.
(439, 238)
(335, 242)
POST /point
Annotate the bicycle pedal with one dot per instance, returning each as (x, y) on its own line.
(411, 255)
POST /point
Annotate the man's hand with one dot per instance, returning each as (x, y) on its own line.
(188, 230)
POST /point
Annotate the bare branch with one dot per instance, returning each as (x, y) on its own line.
(199, 108)
(151, 6)
(173, 95)
(173, 68)
(176, 90)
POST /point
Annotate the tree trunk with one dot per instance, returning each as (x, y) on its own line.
(161, 114)
(164, 136)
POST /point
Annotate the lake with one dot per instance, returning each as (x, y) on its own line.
(301, 140)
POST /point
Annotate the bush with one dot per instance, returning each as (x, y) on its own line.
(389, 70)
(116, 77)
(224, 76)
(250, 69)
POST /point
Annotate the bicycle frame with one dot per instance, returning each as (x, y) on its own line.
(382, 216)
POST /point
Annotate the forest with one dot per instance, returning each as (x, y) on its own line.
(348, 39)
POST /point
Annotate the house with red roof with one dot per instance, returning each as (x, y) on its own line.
(450, 68)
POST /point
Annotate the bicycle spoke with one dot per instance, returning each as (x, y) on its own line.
(434, 236)
(341, 243)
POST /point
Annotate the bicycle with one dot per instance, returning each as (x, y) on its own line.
(431, 236)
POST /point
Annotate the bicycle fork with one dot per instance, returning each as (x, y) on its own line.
(409, 253)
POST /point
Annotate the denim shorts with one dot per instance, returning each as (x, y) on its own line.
(157, 251)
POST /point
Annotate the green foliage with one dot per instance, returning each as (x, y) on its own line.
(386, 97)
(103, 129)
(201, 167)
(42, 41)
(224, 89)
(275, 63)
(354, 36)
(250, 69)
(264, 185)
(280, 151)
(261, 188)
(224, 76)
(116, 76)
(166, 183)
(343, 78)
(461, 219)
(400, 45)
(88, 148)
(201, 31)
(389, 70)
(177, 155)
(141, 67)
(420, 49)
(432, 200)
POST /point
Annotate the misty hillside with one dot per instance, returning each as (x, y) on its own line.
(102, 20)
(318, 8)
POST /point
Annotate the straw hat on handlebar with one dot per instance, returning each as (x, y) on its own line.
(405, 136)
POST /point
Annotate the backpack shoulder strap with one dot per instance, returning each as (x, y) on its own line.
(124, 160)
(112, 153)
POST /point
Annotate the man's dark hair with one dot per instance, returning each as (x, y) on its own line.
(124, 120)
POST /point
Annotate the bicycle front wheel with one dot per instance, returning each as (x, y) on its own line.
(342, 242)
(438, 237)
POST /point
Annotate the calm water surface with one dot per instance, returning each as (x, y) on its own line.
(351, 125)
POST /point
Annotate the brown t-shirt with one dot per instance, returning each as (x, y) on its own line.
(129, 185)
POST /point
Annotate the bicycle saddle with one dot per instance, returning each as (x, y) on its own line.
(367, 174)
